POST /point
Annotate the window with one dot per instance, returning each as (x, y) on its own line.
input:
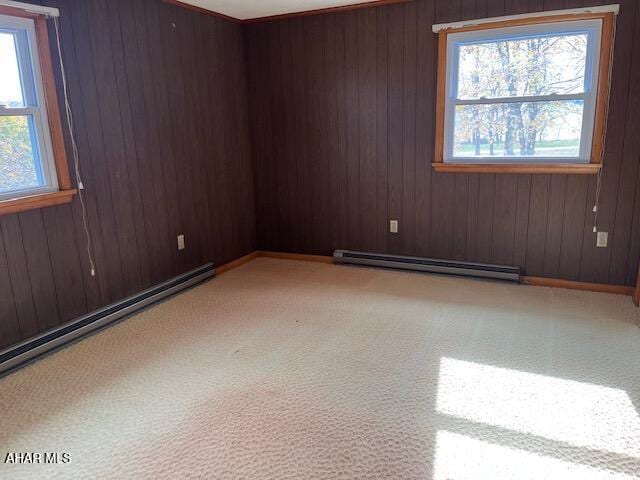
(525, 95)
(33, 165)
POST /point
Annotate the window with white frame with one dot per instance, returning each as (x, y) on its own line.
(523, 94)
(27, 164)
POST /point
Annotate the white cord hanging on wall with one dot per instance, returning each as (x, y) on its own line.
(596, 203)
(74, 146)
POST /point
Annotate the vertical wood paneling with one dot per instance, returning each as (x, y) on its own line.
(354, 212)
(259, 171)
(425, 78)
(409, 127)
(302, 145)
(279, 135)
(17, 272)
(317, 117)
(199, 206)
(521, 230)
(94, 287)
(634, 251)
(537, 232)
(395, 107)
(135, 125)
(540, 222)
(40, 274)
(596, 261)
(10, 331)
(214, 141)
(100, 179)
(627, 185)
(333, 136)
(109, 130)
(67, 269)
(575, 205)
(289, 126)
(342, 167)
(171, 28)
(240, 157)
(486, 206)
(161, 121)
(367, 101)
(555, 223)
(460, 220)
(504, 219)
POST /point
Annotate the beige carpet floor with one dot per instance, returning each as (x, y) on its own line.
(294, 370)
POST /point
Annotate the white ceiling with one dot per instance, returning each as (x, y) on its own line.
(246, 9)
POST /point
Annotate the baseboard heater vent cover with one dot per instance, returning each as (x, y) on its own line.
(418, 264)
(18, 355)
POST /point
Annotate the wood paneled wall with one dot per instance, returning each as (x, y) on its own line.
(342, 121)
(159, 101)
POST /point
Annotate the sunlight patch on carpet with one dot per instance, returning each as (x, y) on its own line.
(459, 457)
(579, 414)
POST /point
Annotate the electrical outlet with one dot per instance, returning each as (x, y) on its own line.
(181, 245)
(603, 239)
(393, 226)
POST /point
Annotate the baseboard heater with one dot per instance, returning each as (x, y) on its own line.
(18, 355)
(429, 265)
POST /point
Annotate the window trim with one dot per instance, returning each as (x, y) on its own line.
(590, 27)
(601, 107)
(65, 191)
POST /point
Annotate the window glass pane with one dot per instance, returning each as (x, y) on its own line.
(537, 65)
(19, 163)
(10, 86)
(523, 129)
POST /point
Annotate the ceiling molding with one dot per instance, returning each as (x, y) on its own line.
(321, 11)
(203, 11)
(283, 16)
